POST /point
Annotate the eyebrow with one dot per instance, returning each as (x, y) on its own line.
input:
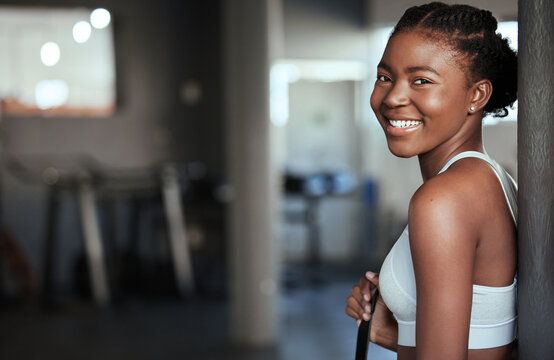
(411, 69)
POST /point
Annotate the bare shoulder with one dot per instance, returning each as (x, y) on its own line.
(447, 216)
(452, 205)
(461, 194)
(445, 221)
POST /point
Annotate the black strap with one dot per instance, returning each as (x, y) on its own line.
(363, 331)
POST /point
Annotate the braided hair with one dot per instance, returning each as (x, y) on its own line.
(472, 33)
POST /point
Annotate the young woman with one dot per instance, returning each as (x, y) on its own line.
(448, 286)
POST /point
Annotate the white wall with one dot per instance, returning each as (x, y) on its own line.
(315, 32)
(320, 137)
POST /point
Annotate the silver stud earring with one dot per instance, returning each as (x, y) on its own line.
(472, 108)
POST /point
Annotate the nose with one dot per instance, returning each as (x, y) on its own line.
(397, 96)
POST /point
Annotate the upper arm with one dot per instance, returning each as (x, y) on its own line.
(442, 241)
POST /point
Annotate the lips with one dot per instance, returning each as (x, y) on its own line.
(404, 123)
(400, 127)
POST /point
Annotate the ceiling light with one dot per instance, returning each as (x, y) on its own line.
(51, 93)
(100, 18)
(81, 31)
(50, 53)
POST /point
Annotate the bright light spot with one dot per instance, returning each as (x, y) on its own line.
(279, 95)
(81, 31)
(293, 73)
(50, 53)
(100, 18)
(51, 93)
(322, 70)
(508, 29)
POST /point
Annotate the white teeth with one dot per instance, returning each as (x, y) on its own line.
(404, 123)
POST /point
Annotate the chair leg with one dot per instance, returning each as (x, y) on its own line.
(47, 293)
(177, 234)
(93, 244)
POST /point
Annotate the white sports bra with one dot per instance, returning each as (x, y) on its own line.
(493, 310)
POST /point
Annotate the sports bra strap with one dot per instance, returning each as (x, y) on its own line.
(509, 186)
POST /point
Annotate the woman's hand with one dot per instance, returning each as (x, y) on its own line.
(384, 329)
(358, 304)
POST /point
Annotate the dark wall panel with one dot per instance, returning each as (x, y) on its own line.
(536, 174)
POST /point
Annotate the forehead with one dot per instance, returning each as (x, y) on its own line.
(414, 49)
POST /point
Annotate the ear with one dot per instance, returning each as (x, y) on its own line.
(480, 92)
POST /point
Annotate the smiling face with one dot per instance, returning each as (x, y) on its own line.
(421, 96)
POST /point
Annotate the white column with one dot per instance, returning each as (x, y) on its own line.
(252, 252)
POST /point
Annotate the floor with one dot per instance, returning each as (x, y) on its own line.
(313, 326)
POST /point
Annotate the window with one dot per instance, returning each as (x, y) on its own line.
(56, 62)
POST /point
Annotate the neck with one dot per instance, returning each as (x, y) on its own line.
(430, 163)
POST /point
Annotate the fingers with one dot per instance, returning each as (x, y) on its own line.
(356, 310)
(368, 284)
(352, 309)
(356, 306)
(365, 288)
(355, 301)
(373, 278)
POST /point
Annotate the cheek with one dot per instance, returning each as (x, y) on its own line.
(442, 103)
(375, 100)
(434, 105)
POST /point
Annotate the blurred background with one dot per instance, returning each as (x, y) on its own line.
(197, 179)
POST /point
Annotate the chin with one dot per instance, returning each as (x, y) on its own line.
(402, 152)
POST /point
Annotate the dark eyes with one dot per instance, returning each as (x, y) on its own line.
(421, 81)
(418, 81)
